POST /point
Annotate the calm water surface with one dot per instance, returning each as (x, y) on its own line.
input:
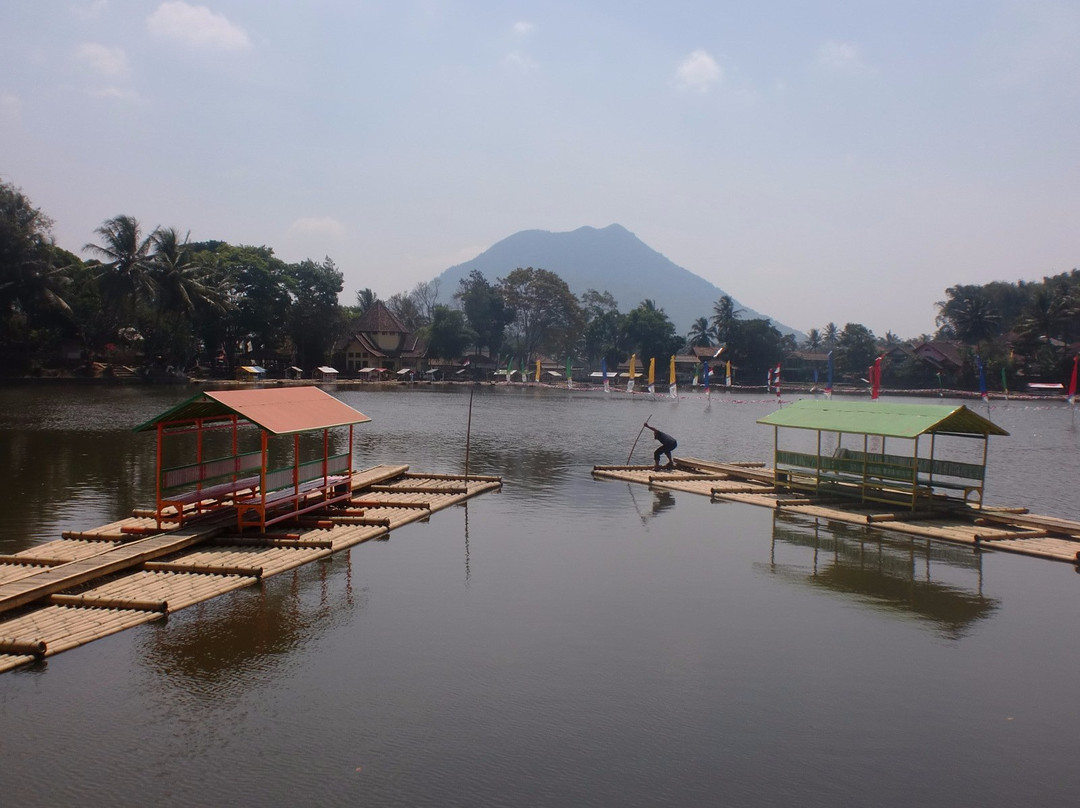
(564, 642)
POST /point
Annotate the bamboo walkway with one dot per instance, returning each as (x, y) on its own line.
(91, 584)
(1011, 530)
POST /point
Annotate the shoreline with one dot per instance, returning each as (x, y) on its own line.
(359, 384)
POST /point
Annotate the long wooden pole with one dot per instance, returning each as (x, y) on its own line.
(636, 440)
(468, 432)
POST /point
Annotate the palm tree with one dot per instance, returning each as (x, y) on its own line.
(126, 280)
(182, 284)
(365, 299)
(724, 314)
(971, 314)
(813, 339)
(830, 335)
(701, 333)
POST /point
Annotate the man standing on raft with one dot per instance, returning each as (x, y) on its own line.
(666, 447)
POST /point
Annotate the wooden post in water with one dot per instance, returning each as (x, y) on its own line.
(468, 432)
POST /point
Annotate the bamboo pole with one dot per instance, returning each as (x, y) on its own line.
(22, 646)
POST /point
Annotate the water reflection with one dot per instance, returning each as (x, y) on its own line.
(938, 584)
(220, 646)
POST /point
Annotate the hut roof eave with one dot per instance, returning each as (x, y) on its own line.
(879, 418)
(280, 411)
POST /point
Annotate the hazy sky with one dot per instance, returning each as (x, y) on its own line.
(820, 161)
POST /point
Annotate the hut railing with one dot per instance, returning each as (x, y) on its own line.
(209, 471)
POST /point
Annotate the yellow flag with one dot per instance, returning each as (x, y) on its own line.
(652, 370)
(672, 369)
(538, 370)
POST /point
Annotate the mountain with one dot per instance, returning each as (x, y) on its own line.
(610, 259)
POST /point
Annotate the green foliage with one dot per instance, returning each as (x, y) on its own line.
(701, 333)
(447, 335)
(34, 281)
(314, 316)
(649, 333)
(856, 349)
(603, 326)
(547, 316)
(485, 310)
(754, 346)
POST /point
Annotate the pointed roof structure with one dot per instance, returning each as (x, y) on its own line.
(278, 410)
(378, 318)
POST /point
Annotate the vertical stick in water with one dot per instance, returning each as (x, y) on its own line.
(637, 439)
(468, 432)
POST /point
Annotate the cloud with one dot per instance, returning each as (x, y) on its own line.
(91, 11)
(316, 226)
(698, 71)
(523, 27)
(10, 107)
(521, 61)
(102, 60)
(197, 26)
(118, 93)
(842, 57)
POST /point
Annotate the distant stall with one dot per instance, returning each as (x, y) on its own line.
(326, 374)
(406, 374)
(894, 451)
(295, 372)
(250, 373)
(215, 449)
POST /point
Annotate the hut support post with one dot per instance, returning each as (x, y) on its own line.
(817, 471)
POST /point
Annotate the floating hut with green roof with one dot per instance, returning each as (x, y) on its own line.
(911, 454)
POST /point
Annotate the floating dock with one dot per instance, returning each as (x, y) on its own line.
(91, 584)
(1012, 530)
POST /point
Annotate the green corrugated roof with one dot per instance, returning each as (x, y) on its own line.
(879, 418)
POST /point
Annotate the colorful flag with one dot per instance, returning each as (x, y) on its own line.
(875, 378)
(652, 374)
(537, 370)
(828, 384)
(630, 381)
(672, 387)
(705, 376)
(727, 379)
(1072, 381)
(569, 373)
(603, 374)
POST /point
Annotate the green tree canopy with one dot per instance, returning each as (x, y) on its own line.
(447, 335)
(547, 316)
(648, 332)
(485, 310)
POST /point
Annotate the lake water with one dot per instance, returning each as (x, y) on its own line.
(567, 641)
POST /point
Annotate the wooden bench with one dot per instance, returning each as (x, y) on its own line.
(293, 491)
(849, 476)
(176, 492)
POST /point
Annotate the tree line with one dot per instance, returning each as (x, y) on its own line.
(158, 300)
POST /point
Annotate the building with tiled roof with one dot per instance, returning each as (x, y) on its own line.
(380, 340)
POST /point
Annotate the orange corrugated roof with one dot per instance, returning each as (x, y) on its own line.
(279, 410)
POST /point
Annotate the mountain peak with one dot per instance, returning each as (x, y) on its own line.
(608, 259)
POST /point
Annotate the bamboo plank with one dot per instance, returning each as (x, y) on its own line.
(110, 603)
(203, 569)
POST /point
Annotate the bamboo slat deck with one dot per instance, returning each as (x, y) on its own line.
(65, 593)
(1011, 530)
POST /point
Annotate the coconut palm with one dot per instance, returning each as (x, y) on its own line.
(724, 314)
(182, 284)
(125, 280)
(830, 335)
(701, 333)
(813, 339)
(365, 299)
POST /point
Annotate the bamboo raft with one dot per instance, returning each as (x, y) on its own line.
(90, 584)
(1011, 530)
